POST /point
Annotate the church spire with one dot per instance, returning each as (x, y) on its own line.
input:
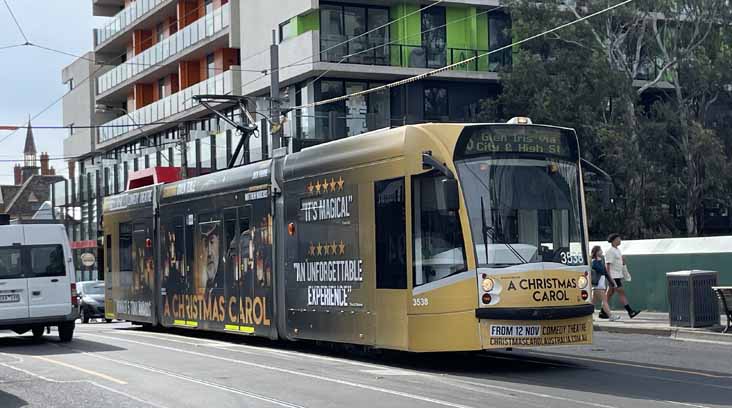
(29, 152)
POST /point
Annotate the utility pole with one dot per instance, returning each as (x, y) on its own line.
(274, 93)
(183, 137)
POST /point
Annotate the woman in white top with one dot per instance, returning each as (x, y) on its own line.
(614, 264)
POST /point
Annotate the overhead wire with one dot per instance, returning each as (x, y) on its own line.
(7, 5)
(85, 79)
(457, 64)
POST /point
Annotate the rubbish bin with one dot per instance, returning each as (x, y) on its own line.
(692, 302)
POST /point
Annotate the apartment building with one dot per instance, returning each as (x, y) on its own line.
(405, 38)
(152, 56)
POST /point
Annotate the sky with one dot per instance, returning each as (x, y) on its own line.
(30, 78)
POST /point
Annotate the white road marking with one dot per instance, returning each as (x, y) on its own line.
(243, 348)
(388, 372)
(94, 383)
(83, 370)
(196, 381)
(292, 372)
(686, 404)
(535, 394)
(376, 367)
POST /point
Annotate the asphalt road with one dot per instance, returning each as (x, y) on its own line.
(118, 365)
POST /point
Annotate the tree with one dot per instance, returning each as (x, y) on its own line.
(606, 77)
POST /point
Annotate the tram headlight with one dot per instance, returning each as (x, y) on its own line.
(487, 284)
(582, 282)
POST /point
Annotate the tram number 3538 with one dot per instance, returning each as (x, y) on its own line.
(420, 301)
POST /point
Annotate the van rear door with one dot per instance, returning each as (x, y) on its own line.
(49, 287)
(13, 285)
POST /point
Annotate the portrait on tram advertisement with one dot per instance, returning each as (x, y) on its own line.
(144, 274)
(173, 261)
(209, 280)
(262, 252)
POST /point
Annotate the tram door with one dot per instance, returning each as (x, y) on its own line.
(248, 266)
(391, 263)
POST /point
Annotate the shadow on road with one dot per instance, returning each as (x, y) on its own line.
(11, 401)
(48, 346)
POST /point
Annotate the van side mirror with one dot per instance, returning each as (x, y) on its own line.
(448, 194)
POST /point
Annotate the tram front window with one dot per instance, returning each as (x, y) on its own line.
(523, 211)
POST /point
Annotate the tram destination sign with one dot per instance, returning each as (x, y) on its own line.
(516, 139)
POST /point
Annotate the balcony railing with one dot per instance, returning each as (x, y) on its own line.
(412, 56)
(203, 28)
(156, 112)
(125, 18)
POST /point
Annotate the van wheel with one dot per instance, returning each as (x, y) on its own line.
(38, 332)
(108, 320)
(84, 316)
(66, 331)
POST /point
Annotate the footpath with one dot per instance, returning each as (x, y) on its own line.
(657, 324)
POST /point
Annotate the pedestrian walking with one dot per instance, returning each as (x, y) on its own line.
(615, 265)
(600, 282)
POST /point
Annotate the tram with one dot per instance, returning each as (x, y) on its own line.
(423, 238)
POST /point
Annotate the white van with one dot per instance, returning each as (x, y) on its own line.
(37, 288)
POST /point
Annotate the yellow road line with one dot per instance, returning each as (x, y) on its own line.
(635, 365)
(83, 370)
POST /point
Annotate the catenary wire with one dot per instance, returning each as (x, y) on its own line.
(16, 21)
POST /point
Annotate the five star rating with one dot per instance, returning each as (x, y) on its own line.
(327, 249)
(324, 186)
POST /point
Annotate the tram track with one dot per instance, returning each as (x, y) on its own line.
(515, 395)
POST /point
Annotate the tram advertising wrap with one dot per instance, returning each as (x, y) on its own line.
(325, 271)
(422, 238)
(217, 266)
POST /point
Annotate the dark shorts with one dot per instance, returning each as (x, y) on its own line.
(618, 283)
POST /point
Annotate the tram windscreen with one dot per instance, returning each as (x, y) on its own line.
(523, 210)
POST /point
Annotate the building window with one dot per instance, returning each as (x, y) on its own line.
(436, 104)
(391, 241)
(160, 31)
(71, 129)
(434, 39)
(209, 7)
(211, 65)
(161, 88)
(342, 33)
(71, 84)
(499, 35)
(286, 30)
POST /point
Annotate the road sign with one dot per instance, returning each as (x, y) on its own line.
(88, 259)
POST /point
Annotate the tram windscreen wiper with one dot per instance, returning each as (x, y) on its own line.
(494, 236)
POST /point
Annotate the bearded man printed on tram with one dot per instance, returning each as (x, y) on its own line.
(212, 278)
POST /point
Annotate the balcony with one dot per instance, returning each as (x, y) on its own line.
(156, 112)
(126, 18)
(202, 29)
(412, 56)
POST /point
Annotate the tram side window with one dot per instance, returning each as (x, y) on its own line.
(391, 247)
(125, 247)
(438, 239)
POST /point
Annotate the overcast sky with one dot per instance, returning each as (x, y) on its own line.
(30, 78)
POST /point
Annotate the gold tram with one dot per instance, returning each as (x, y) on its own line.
(434, 237)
